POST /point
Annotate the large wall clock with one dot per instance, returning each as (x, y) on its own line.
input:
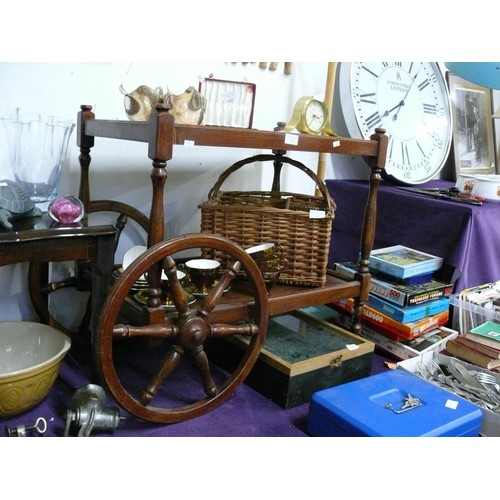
(410, 100)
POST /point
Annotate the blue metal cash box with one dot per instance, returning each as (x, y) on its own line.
(394, 403)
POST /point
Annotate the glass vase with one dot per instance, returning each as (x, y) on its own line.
(37, 150)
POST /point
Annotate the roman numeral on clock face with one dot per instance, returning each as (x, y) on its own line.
(430, 109)
(373, 120)
(404, 153)
(368, 98)
(394, 145)
(410, 101)
(409, 151)
(421, 86)
(370, 71)
(420, 148)
(433, 109)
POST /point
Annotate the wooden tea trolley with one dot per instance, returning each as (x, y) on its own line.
(172, 336)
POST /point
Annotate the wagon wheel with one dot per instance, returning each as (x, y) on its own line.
(38, 275)
(158, 368)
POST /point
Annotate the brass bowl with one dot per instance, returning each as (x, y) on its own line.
(30, 358)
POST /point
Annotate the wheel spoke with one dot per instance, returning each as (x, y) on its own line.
(164, 331)
(168, 364)
(215, 294)
(177, 292)
(229, 330)
(187, 333)
(200, 358)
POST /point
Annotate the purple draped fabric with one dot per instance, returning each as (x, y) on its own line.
(246, 414)
(466, 236)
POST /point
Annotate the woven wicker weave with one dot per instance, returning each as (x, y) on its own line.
(253, 217)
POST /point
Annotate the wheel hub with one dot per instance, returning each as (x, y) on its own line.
(193, 333)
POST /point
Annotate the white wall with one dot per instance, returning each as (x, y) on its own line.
(120, 170)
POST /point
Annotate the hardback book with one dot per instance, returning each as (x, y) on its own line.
(403, 262)
(409, 313)
(393, 329)
(482, 339)
(487, 350)
(470, 355)
(397, 293)
(489, 330)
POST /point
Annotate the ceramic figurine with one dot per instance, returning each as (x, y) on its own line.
(140, 103)
(188, 108)
(15, 203)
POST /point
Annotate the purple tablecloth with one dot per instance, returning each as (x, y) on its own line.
(246, 414)
(466, 236)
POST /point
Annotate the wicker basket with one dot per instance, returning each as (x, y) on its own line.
(301, 223)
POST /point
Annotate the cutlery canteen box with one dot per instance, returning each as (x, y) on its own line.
(301, 354)
(394, 403)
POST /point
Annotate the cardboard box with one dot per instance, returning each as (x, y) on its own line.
(301, 355)
(433, 340)
(394, 403)
(490, 425)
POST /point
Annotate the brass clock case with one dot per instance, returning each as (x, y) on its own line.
(310, 116)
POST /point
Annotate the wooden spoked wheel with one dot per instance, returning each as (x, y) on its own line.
(40, 288)
(174, 380)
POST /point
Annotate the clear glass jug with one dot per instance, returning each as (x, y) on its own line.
(37, 147)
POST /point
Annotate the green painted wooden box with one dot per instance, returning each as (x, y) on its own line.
(301, 355)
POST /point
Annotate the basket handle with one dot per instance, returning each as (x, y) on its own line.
(270, 157)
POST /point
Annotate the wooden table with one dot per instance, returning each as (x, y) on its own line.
(40, 239)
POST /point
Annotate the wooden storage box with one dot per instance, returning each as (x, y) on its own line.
(300, 223)
(301, 355)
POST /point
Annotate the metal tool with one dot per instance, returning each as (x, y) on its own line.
(452, 194)
(40, 426)
(88, 412)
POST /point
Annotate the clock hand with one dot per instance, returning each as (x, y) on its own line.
(395, 117)
(401, 103)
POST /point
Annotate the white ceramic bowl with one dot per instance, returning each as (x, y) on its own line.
(30, 358)
(487, 186)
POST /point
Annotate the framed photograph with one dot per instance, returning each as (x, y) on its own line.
(473, 141)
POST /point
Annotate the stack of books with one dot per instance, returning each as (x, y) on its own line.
(480, 346)
(406, 300)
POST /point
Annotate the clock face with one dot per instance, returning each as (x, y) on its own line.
(315, 116)
(410, 101)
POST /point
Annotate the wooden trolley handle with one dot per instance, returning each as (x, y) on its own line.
(271, 157)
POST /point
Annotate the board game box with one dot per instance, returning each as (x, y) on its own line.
(403, 262)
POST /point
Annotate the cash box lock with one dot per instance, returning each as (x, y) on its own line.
(336, 362)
